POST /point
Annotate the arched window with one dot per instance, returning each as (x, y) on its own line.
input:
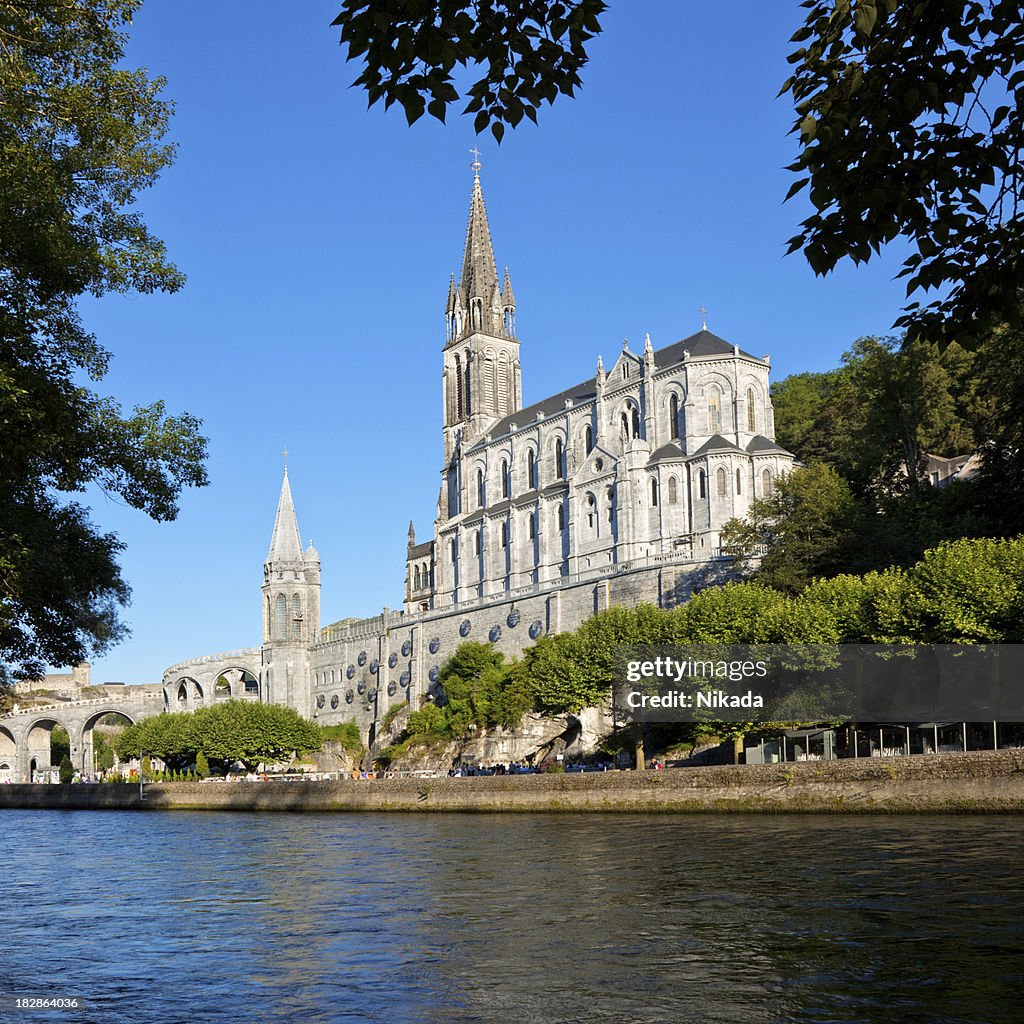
(469, 404)
(673, 490)
(625, 369)
(624, 428)
(703, 484)
(636, 421)
(590, 440)
(416, 579)
(270, 623)
(480, 488)
(504, 478)
(296, 617)
(561, 517)
(451, 550)
(533, 527)
(654, 493)
(458, 388)
(751, 419)
(673, 417)
(559, 460)
(453, 492)
(610, 495)
(720, 480)
(504, 535)
(591, 511)
(531, 470)
(766, 483)
(477, 541)
(281, 618)
(739, 478)
(714, 410)
(425, 575)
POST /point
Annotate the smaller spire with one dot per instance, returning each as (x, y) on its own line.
(600, 372)
(452, 293)
(509, 296)
(412, 534)
(648, 347)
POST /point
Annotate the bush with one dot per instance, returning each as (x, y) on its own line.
(202, 765)
(66, 771)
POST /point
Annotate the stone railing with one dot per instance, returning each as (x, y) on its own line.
(207, 659)
(91, 701)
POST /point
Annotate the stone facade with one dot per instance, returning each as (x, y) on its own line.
(611, 492)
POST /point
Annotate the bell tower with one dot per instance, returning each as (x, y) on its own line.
(291, 609)
(482, 381)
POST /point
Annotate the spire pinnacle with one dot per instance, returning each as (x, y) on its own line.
(285, 543)
(476, 165)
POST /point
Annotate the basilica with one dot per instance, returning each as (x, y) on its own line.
(612, 491)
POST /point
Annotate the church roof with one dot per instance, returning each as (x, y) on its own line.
(761, 445)
(703, 343)
(479, 273)
(716, 444)
(667, 453)
(285, 544)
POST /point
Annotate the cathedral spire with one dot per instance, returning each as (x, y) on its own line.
(285, 544)
(479, 289)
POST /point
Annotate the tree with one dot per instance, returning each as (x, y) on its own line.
(80, 137)
(65, 771)
(251, 733)
(910, 119)
(526, 52)
(202, 766)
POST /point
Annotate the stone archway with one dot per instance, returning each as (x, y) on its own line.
(8, 755)
(36, 742)
(237, 683)
(96, 744)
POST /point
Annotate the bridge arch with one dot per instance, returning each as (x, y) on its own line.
(87, 736)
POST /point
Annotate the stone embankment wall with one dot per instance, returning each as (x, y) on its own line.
(948, 783)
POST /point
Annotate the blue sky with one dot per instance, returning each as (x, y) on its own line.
(318, 237)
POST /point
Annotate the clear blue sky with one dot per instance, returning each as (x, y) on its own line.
(318, 237)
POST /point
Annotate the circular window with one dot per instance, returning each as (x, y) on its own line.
(536, 629)
(406, 648)
(362, 658)
(374, 666)
(405, 678)
(495, 634)
(513, 619)
(598, 464)
(361, 688)
(393, 661)
(433, 674)
(350, 671)
(320, 701)
(372, 695)
(434, 646)
(465, 627)
(349, 697)
(334, 701)
(392, 688)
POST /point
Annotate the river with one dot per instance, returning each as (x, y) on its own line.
(155, 918)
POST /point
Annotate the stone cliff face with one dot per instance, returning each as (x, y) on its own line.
(536, 739)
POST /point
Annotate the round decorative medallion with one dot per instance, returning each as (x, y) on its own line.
(434, 646)
(433, 674)
(536, 629)
(598, 465)
(361, 688)
(405, 678)
(495, 634)
(513, 619)
(362, 658)
(349, 696)
(465, 627)
(350, 671)
(374, 666)
(406, 648)
(372, 695)
(334, 701)
(392, 688)
(393, 661)
(320, 701)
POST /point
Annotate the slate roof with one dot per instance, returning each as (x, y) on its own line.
(761, 445)
(667, 453)
(715, 444)
(703, 343)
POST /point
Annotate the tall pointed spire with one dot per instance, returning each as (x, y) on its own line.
(285, 544)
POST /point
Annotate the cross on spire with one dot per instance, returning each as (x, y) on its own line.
(476, 165)
(703, 317)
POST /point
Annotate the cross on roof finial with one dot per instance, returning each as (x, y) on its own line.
(476, 165)
(703, 317)
(285, 454)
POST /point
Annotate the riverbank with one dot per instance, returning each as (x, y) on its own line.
(977, 782)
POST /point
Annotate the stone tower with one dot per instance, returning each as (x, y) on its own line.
(291, 609)
(481, 353)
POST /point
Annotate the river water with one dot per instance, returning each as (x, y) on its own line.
(156, 918)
